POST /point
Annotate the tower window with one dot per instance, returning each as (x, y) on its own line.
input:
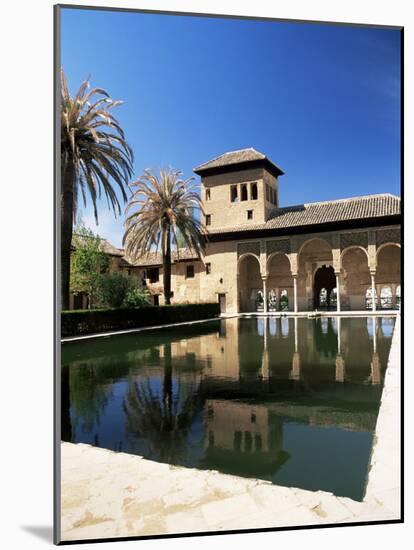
(253, 191)
(244, 192)
(208, 219)
(189, 273)
(250, 214)
(208, 194)
(267, 193)
(208, 268)
(233, 193)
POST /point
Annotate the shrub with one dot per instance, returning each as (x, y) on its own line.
(102, 320)
(137, 297)
(118, 289)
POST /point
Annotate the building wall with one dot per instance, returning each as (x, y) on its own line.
(238, 267)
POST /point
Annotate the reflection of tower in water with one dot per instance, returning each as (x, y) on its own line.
(242, 427)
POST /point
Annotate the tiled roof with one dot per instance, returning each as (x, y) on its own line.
(155, 258)
(234, 157)
(355, 208)
(104, 245)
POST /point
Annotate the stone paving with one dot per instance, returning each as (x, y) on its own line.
(109, 494)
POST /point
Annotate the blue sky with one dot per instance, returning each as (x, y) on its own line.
(321, 101)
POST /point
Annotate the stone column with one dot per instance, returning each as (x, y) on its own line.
(264, 279)
(373, 293)
(295, 294)
(338, 294)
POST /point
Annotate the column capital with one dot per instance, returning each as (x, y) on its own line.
(265, 277)
(372, 272)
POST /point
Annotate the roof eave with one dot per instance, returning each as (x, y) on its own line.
(243, 165)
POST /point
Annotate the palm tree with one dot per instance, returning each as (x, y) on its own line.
(94, 156)
(166, 206)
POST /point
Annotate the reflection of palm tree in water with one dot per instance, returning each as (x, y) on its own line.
(89, 396)
(163, 420)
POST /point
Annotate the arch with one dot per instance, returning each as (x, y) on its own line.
(253, 191)
(279, 281)
(303, 245)
(314, 253)
(356, 277)
(243, 257)
(249, 283)
(353, 247)
(384, 245)
(274, 254)
(388, 269)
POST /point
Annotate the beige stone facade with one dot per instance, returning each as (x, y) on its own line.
(326, 255)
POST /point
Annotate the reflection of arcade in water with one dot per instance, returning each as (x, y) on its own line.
(327, 377)
(291, 400)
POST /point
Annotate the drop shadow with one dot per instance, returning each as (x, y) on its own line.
(43, 532)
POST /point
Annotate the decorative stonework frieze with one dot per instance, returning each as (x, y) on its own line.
(248, 248)
(281, 245)
(388, 236)
(359, 238)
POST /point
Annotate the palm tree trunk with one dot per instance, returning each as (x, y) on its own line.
(66, 231)
(166, 261)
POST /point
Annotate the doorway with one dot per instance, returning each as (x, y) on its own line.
(324, 283)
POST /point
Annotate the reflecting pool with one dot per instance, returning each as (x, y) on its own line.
(293, 401)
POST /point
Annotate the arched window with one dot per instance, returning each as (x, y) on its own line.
(284, 300)
(272, 326)
(244, 192)
(253, 191)
(398, 297)
(233, 193)
(323, 297)
(368, 298)
(386, 297)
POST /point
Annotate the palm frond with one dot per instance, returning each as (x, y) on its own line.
(93, 143)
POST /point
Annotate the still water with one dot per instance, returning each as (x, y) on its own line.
(293, 401)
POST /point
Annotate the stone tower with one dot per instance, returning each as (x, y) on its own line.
(238, 188)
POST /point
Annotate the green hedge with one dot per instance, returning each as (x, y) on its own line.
(85, 321)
